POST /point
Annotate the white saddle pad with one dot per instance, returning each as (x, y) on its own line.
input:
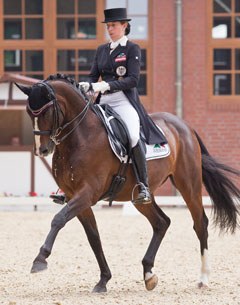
(154, 151)
(157, 151)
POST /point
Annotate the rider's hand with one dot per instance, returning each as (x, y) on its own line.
(100, 86)
(85, 86)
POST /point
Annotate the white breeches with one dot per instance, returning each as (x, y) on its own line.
(120, 103)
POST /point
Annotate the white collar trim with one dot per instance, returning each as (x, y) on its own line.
(122, 41)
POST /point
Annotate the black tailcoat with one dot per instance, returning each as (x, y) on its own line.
(128, 58)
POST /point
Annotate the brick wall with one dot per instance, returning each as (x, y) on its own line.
(219, 127)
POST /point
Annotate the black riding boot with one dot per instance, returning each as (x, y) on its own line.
(139, 160)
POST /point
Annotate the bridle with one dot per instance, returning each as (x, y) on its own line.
(56, 130)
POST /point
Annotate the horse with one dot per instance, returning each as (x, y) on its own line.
(83, 164)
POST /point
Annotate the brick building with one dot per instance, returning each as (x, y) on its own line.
(190, 59)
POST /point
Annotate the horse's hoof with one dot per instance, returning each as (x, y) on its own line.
(38, 267)
(99, 289)
(202, 285)
(152, 282)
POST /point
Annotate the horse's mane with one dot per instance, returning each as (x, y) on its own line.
(68, 79)
(40, 96)
(63, 77)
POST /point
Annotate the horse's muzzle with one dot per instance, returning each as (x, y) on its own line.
(44, 150)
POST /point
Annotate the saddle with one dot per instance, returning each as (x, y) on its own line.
(116, 129)
(119, 139)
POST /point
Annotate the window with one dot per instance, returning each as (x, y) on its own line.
(225, 50)
(76, 19)
(12, 60)
(23, 19)
(76, 63)
(32, 59)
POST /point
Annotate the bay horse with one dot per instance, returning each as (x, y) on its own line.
(83, 165)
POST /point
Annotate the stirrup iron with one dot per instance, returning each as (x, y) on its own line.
(59, 199)
(144, 195)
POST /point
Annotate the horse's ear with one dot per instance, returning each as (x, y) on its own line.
(26, 90)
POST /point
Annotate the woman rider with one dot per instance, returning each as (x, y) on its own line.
(118, 65)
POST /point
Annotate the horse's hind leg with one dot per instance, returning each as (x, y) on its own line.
(188, 181)
(88, 221)
(160, 223)
(200, 226)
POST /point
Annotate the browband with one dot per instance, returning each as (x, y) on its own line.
(36, 113)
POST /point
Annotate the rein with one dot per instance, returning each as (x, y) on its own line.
(57, 130)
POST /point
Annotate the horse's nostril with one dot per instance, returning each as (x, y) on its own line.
(44, 151)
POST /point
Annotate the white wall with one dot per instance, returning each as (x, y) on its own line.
(15, 175)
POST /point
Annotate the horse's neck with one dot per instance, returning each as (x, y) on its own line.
(74, 105)
(69, 99)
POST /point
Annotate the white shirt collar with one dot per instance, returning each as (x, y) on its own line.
(122, 41)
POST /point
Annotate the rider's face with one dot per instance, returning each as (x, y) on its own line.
(116, 29)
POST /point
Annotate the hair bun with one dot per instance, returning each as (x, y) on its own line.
(128, 29)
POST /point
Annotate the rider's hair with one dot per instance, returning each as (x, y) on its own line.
(128, 28)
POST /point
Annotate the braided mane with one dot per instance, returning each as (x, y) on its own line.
(63, 77)
(68, 79)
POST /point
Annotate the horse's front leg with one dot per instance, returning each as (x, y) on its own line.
(58, 222)
(88, 221)
(68, 212)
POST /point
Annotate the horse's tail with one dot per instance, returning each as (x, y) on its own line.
(221, 189)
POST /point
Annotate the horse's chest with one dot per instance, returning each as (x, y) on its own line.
(62, 170)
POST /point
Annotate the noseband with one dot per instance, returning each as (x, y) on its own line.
(56, 129)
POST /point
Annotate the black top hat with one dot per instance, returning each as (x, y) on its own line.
(115, 14)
